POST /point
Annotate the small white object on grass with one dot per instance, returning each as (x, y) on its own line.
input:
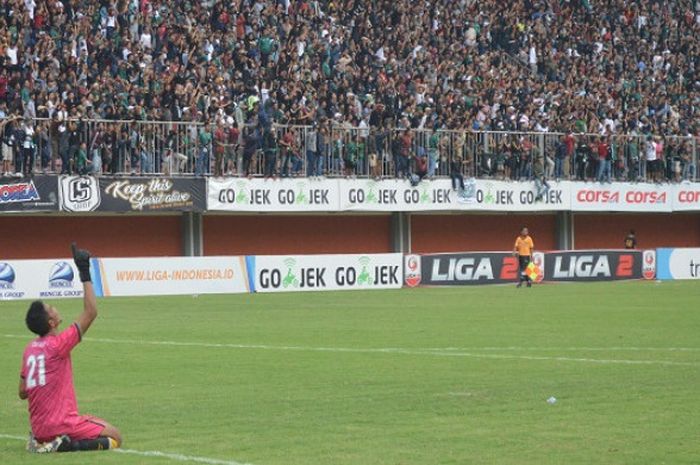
(552, 400)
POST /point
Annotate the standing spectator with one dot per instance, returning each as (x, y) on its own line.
(82, 162)
(7, 133)
(250, 147)
(689, 167)
(560, 155)
(649, 168)
(604, 163)
(28, 144)
(269, 146)
(220, 141)
(310, 141)
(205, 139)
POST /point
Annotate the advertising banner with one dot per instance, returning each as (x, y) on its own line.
(686, 197)
(678, 263)
(438, 195)
(593, 265)
(284, 273)
(623, 197)
(457, 269)
(132, 194)
(39, 279)
(170, 276)
(280, 195)
(36, 194)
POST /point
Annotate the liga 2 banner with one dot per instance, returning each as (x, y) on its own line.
(458, 269)
(169, 276)
(295, 273)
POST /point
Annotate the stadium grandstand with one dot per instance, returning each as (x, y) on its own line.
(579, 89)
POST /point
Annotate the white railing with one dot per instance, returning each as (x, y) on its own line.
(192, 148)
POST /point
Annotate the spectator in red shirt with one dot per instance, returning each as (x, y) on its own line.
(604, 166)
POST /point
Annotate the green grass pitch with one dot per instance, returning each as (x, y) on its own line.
(423, 376)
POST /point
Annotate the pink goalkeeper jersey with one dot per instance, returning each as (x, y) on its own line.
(48, 375)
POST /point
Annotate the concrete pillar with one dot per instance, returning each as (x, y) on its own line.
(192, 242)
(564, 233)
(401, 232)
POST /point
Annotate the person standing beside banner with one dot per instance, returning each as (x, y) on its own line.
(524, 247)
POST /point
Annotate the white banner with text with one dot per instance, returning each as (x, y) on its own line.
(170, 276)
(294, 273)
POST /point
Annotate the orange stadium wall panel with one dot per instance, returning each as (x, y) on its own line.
(607, 231)
(303, 234)
(104, 236)
(478, 233)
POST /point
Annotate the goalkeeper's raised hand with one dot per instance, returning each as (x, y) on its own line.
(82, 262)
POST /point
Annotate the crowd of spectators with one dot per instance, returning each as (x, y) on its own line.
(607, 67)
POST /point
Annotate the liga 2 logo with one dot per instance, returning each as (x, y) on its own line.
(80, 194)
(412, 267)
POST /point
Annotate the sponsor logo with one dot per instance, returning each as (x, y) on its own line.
(61, 275)
(302, 195)
(649, 264)
(7, 276)
(7, 282)
(80, 194)
(362, 274)
(461, 269)
(538, 261)
(685, 196)
(581, 266)
(153, 194)
(413, 271)
(595, 196)
(614, 197)
(19, 192)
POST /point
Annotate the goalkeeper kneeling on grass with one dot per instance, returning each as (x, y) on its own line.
(46, 378)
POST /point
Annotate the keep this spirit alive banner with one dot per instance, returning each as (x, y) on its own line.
(132, 194)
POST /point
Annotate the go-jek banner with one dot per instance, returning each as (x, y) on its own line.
(293, 273)
(438, 195)
(678, 263)
(39, 279)
(280, 195)
(169, 276)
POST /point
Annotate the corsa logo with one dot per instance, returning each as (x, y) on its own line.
(645, 197)
(594, 196)
(689, 196)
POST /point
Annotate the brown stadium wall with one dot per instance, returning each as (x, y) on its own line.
(296, 234)
(606, 231)
(106, 236)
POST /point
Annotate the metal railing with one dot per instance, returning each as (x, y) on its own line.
(191, 148)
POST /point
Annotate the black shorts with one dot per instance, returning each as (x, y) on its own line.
(524, 261)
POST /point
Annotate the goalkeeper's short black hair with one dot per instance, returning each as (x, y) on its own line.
(38, 318)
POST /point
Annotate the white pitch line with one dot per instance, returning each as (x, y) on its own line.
(388, 350)
(179, 457)
(155, 453)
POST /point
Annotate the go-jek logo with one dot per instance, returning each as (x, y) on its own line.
(61, 275)
(7, 276)
(290, 278)
(364, 277)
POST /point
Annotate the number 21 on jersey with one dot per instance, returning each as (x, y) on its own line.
(37, 371)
